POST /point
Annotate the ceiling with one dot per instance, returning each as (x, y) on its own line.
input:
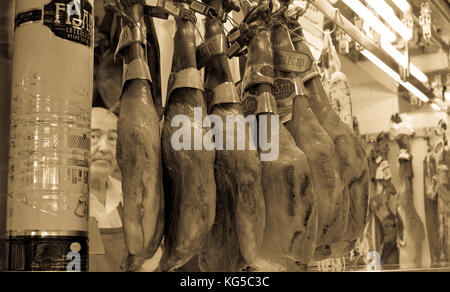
(441, 26)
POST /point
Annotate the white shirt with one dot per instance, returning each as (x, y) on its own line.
(107, 215)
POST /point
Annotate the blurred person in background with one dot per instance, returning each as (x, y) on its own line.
(106, 238)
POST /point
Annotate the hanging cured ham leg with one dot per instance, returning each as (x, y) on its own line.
(139, 147)
(238, 228)
(379, 201)
(411, 231)
(332, 201)
(351, 154)
(430, 167)
(190, 188)
(291, 218)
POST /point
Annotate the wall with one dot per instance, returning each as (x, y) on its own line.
(373, 106)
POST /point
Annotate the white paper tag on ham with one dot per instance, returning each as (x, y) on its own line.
(165, 30)
(340, 97)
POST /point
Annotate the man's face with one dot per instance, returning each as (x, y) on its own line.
(103, 143)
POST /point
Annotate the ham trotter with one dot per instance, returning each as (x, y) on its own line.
(139, 146)
(190, 188)
(291, 218)
(351, 155)
(311, 138)
(238, 228)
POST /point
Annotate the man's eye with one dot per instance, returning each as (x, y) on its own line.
(94, 137)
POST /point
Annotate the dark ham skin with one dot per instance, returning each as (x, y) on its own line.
(353, 164)
(314, 141)
(139, 159)
(291, 217)
(190, 188)
(238, 229)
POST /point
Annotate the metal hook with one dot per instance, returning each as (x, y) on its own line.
(297, 12)
(326, 31)
(305, 9)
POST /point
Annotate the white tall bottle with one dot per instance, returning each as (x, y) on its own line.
(52, 85)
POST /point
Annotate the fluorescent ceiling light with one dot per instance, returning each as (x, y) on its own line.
(402, 60)
(417, 73)
(447, 95)
(436, 107)
(388, 14)
(371, 19)
(402, 4)
(414, 90)
(394, 75)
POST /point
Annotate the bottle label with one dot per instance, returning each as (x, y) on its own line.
(64, 254)
(71, 20)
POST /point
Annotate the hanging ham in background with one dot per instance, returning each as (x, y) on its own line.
(435, 144)
(379, 202)
(411, 231)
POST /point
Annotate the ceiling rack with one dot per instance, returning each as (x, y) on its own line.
(335, 16)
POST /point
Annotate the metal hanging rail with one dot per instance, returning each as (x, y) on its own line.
(434, 36)
(443, 7)
(334, 15)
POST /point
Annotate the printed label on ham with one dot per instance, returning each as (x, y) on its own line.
(292, 61)
(284, 87)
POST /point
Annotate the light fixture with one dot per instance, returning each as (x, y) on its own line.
(394, 75)
(371, 19)
(403, 61)
(403, 5)
(436, 107)
(387, 36)
(447, 95)
(388, 14)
